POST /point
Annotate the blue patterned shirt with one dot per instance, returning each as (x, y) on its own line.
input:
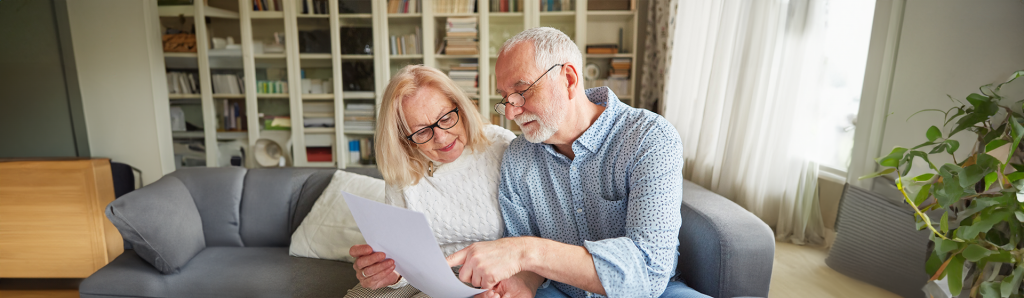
(619, 198)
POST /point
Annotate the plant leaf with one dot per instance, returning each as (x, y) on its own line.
(954, 274)
(922, 195)
(953, 145)
(995, 144)
(893, 159)
(971, 175)
(923, 177)
(1014, 176)
(1012, 283)
(990, 289)
(1020, 215)
(983, 225)
(943, 246)
(959, 111)
(968, 121)
(922, 145)
(933, 133)
(939, 148)
(1017, 132)
(944, 223)
(876, 174)
(924, 156)
(925, 110)
(1018, 167)
(991, 178)
(975, 252)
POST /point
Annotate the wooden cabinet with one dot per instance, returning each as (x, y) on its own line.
(52, 222)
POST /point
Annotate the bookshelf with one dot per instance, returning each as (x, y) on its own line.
(348, 50)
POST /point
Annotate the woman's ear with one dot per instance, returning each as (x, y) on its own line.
(571, 78)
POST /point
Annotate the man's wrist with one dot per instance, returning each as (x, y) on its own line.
(528, 256)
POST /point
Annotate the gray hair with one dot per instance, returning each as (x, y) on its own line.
(550, 47)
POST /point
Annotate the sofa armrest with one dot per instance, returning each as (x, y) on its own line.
(724, 250)
(161, 222)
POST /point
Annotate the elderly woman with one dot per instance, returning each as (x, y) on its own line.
(437, 157)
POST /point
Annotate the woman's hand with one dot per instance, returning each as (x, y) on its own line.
(373, 269)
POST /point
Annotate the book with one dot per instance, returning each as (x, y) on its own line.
(603, 49)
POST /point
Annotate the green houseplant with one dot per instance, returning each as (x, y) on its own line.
(983, 192)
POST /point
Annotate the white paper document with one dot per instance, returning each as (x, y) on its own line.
(405, 236)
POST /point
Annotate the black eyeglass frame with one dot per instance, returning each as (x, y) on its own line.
(504, 101)
(436, 124)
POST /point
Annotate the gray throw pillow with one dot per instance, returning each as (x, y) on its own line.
(162, 222)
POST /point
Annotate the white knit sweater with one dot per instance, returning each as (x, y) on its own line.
(461, 199)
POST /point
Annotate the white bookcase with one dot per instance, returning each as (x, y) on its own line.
(238, 20)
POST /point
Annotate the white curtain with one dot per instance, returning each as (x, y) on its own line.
(742, 91)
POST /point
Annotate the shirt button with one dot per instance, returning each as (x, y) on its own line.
(580, 210)
(573, 168)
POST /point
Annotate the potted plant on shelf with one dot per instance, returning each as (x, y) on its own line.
(984, 193)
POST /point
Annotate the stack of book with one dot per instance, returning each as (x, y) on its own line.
(317, 114)
(407, 44)
(227, 84)
(266, 5)
(271, 87)
(557, 5)
(465, 76)
(455, 6)
(506, 5)
(461, 36)
(403, 6)
(232, 116)
(315, 7)
(620, 68)
(361, 151)
(359, 117)
(181, 83)
(603, 49)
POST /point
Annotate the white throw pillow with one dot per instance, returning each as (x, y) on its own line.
(329, 230)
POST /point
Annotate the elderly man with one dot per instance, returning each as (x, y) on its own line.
(590, 192)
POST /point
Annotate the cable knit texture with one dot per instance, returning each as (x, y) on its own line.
(461, 199)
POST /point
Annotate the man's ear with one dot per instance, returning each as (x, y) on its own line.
(572, 79)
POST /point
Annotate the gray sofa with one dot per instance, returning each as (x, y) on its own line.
(225, 232)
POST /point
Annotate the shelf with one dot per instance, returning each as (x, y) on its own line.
(313, 16)
(270, 56)
(445, 15)
(190, 11)
(610, 13)
(359, 132)
(266, 14)
(414, 56)
(184, 96)
(320, 164)
(457, 56)
(619, 55)
(232, 135)
(358, 94)
(318, 96)
(355, 165)
(506, 14)
(180, 55)
(357, 57)
(404, 15)
(271, 95)
(557, 13)
(314, 56)
(187, 134)
(319, 129)
(229, 96)
(355, 16)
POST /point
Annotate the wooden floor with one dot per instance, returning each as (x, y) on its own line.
(798, 272)
(39, 288)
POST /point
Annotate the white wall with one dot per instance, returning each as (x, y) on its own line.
(949, 47)
(124, 95)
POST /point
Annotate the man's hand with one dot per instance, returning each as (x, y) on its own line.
(522, 285)
(373, 269)
(484, 264)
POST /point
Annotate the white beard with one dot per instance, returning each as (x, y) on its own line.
(547, 124)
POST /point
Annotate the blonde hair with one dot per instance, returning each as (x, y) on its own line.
(400, 163)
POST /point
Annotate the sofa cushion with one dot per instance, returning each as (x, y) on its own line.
(165, 230)
(224, 272)
(329, 231)
(268, 199)
(217, 193)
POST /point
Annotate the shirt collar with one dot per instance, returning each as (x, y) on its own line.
(598, 132)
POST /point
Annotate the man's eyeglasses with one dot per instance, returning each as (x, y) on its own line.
(446, 122)
(517, 99)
